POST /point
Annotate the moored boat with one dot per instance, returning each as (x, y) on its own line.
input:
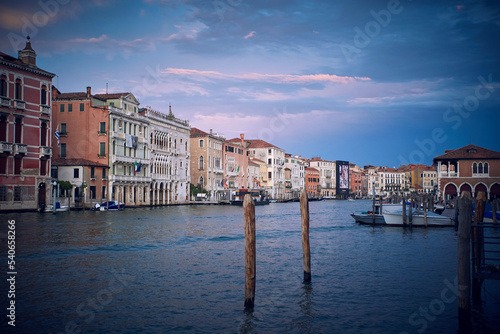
(59, 208)
(259, 196)
(375, 218)
(109, 206)
(418, 219)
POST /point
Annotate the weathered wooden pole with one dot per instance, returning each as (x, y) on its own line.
(373, 208)
(410, 213)
(463, 261)
(404, 211)
(250, 264)
(455, 206)
(494, 206)
(306, 257)
(478, 243)
(425, 211)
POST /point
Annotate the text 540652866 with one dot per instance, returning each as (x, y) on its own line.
(11, 272)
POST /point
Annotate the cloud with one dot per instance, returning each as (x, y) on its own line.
(187, 32)
(250, 34)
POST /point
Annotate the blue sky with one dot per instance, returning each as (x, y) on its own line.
(371, 82)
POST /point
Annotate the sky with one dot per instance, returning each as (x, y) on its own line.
(383, 83)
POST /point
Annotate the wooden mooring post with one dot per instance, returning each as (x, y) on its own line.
(478, 238)
(424, 204)
(404, 211)
(463, 261)
(410, 213)
(494, 208)
(304, 211)
(250, 250)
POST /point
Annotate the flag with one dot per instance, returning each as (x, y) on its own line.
(238, 170)
(135, 168)
(139, 167)
(57, 135)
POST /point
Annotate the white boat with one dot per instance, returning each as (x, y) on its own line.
(366, 217)
(59, 208)
(111, 206)
(433, 219)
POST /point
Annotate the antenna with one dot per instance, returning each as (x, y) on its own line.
(106, 88)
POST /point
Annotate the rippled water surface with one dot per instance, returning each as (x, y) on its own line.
(182, 269)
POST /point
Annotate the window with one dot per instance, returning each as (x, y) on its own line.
(63, 129)
(480, 168)
(17, 193)
(18, 90)
(17, 165)
(70, 107)
(43, 95)
(102, 127)
(92, 192)
(61, 108)
(486, 168)
(18, 128)
(269, 175)
(474, 168)
(92, 172)
(43, 134)
(3, 86)
(104, 173)
(63, 150)
(102, 149)
(269, 161)
(201, 163)
(76, 173)
(201, 142)
(3, 128)
(3, 165)
(43, 167)
(82, 106)
(103, 191)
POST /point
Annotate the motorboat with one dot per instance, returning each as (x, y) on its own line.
(259, 197)
(375, 218)
(59, 208)
(109, 206)
(419, 218)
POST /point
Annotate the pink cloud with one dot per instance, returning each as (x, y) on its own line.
(251, 34)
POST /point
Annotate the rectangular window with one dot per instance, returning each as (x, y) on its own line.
(17, 193)
(104, 173)
(63, 129)
(201, 143)
(269, 161)
(3, 165)
(76, 173)
(17, 91)
(92, 172)
(102, 127)
(17, 165)
(3, 193)
(102, 149)
(43, 167)
(92, 192)
(61, 108)
(103, 191)
(63, 150)
(269, 175)
(82, 107)
(70, 107)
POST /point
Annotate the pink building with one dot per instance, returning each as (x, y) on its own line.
(25, 132)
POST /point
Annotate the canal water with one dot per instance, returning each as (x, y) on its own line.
(182, 269)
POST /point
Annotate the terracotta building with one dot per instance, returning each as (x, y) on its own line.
(470, 168)
(235, 164)
(312, 182)
(25, 132)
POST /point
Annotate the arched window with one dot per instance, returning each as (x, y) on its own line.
(3, 128)
(3, 85)
(201, 183)
(43, 95)
(18, 90)
(486, 168)
(474, 168)
(43, 134)
(114, 146)
(480, 168)
(201, 163)
(18, 128)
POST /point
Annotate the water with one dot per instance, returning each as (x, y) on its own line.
(182, 269)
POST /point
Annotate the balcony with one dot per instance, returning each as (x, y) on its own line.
(129, 178)
(20, 149)
(4, 101)
(20, 104)
(45, 151)
(6, 147)
(218, 170)
(44, 110)
(130, 160)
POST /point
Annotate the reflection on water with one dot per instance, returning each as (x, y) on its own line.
(189, 266)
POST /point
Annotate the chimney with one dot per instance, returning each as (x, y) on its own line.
(27, 55)
(210, 131)
(88, 91)
(242, 136)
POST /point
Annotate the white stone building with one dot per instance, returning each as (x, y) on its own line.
(327, 176)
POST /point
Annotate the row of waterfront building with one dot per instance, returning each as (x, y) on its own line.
(108, 147)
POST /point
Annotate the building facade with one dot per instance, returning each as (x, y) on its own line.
(206, 163)
(25, 132)
(235, 164)
(468, 169)
(327, 176)
(294, 176)
(312, 182)
(169, 145)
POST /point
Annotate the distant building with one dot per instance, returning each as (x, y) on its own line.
(327, 176)
(26, 132)
(468, 169)
(169, 144)
(206, 162)
(294, 176)
(235, 164)
(312, 182)
(356, 180)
